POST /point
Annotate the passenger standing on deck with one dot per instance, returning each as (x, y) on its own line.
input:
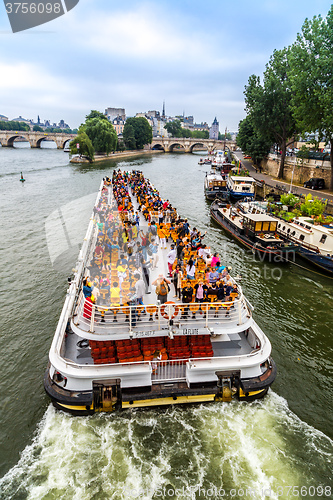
(187, 293)
(171, 258)
(180, 249)
(157, 356)
(190, 270)
(162, 288)
(121, 273)
(200, 291)
(177, 280)
(145, 269)
(87, 288)
(140, 289)
(162, 235)
(153, 247)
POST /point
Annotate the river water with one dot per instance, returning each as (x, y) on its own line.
(265, 449)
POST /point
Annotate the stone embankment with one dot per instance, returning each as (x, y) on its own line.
(114, 156)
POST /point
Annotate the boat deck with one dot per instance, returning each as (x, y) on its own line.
(225, 345)
(225, 323)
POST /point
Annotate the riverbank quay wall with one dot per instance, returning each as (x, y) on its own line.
(303, 170)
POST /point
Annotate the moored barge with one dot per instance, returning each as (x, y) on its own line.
(255, 231)
(116, 348)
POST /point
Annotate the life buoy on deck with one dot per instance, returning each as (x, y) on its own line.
(165, 314)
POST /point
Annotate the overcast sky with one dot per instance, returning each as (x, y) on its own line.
(195, 55)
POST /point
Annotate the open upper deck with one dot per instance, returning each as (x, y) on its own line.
(195, 336)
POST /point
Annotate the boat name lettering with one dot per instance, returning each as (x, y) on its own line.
(190, 331)
(148, 333)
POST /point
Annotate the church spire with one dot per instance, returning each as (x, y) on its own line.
(163, 112)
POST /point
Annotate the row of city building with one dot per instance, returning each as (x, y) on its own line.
(31, 123)
(157, 121)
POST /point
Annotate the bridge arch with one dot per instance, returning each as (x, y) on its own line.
(46, 139)
(11, 139)
(65, 142)
(158, 147)
(178, 146)
(201, 144)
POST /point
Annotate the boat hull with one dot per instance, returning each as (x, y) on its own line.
(82, 404)
(320, 261)
(235, 196)
(211, 195)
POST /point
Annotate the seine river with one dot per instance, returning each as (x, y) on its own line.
(279, 447)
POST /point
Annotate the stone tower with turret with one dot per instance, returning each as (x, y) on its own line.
(214, 130)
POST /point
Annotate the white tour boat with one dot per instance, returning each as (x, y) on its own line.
(114, 353)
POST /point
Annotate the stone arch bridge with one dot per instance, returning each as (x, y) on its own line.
(7, 138)
(170, 144)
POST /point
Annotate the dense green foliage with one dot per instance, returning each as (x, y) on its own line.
(289, 199)
(269, 105)
(96, 114)
(199, 134)
(311, 75)
(12, 125)
(175, 129)
(97, 134)
(140, 129)
(85, 145)
(224, 136)
(251, 142)
(101, 133)
(57, 130)
(129, 136)
(296, 94)
(37, 128)
(312, 207)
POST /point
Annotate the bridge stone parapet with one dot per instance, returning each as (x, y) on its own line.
(7, 138)
(168, 144)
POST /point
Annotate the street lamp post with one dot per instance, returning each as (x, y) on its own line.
(292, 177)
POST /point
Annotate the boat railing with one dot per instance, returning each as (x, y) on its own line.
(167, 370)
(308, 246)
(138, 320)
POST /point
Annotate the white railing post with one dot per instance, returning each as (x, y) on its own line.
(92, 318)
(207, 309)
(239, 312)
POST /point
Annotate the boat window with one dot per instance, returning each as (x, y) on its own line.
(302, 237)
(265, 226)
(284, 228)
(323, 238)
(288, 230)
(258, 226)
(293, 233)
(279, 225)
(273, 226)
(308, 227)
(301, 224)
